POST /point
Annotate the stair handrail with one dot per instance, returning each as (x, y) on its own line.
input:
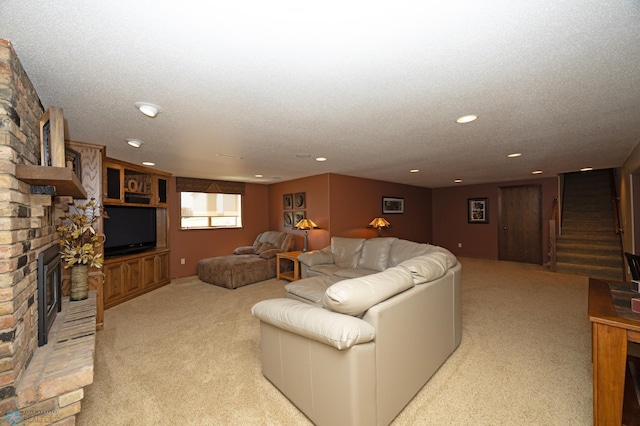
(553, 233)
(615, 201)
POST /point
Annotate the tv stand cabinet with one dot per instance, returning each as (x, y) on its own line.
(131, 275)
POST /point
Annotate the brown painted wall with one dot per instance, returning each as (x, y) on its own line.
(196, 244)
(450, 225)
(316, 189)
(355, 202)
(344, 205)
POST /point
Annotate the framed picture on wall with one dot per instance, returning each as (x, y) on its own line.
(297, 217)
(288, 219)
(73, 162)
(478, 210)
(287, 201)
(391, 205)
(300, 200)
(52, 152)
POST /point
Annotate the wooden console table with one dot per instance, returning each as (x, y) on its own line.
(611, 332)
(291, 275)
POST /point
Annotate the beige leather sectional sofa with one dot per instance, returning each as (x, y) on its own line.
(360, 335)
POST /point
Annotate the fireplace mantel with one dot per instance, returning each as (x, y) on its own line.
(64, 179)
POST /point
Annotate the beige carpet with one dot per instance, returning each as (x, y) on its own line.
(188, 354)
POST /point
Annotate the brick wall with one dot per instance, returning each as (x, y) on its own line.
(26, 225)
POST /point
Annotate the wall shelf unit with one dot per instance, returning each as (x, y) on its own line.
(131, 275)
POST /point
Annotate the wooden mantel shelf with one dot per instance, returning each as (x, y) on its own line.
(65, 181)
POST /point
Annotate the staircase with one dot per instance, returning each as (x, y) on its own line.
(589, 244)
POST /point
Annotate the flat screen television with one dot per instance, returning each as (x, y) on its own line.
(129, 230)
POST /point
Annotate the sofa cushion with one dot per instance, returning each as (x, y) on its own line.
(339, 331)
(375, 254)
(426, 268)
(328, 269)
(264, 247)
(402, 250)
(272, 237)
(311, 289)
(354, 272)
(346, 251)
(244, 250)
(355, 296)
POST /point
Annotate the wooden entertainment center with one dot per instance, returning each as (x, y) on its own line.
(130, 275)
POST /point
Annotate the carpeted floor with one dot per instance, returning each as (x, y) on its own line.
(188, 354)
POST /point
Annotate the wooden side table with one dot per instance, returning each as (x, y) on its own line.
(289, 275)
(610, 334)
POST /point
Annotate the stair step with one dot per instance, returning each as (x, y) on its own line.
(591, 271)
(614, 261)
(602, 249)
(590, 237)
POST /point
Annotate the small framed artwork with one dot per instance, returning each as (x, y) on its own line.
(74, 162)
(300, 200)
(478, 210)
(297, 217)
(52, 151)
(288, 219)
(287, 201)
(391, 205)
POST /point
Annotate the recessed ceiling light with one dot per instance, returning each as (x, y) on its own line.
(150, 110)
(136, 143)
(458, 180)
(148, 163)
(514, 155)
(414, 170)
(259, 176)
(586, 169)
(321, 159)
(536, 172)
(467, 119)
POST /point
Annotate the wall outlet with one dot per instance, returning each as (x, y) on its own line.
(182, 261)
(459, 244)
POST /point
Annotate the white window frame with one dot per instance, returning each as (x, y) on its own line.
(214, 210)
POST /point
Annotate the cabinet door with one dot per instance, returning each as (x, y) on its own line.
(149, 271)
(113, 289)
(161, 191)
(113, 183)
(162, 263)
(133, 276)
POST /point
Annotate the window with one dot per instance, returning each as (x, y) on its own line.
(202, 210)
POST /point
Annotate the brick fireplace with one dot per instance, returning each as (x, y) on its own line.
(32, 386)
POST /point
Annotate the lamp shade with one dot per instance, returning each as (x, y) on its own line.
(305, 224)
(379, 222)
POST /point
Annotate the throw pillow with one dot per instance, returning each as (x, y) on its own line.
(264, 247)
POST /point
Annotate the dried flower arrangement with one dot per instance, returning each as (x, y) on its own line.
(78, 238)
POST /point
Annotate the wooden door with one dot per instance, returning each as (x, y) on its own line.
(520, 223)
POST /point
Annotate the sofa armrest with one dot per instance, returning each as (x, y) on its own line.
(244, 250)
(316, 257)
(331, 328)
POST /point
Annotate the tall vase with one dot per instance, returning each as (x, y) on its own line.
(79, 282)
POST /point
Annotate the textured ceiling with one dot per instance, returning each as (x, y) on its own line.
(373, 86)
